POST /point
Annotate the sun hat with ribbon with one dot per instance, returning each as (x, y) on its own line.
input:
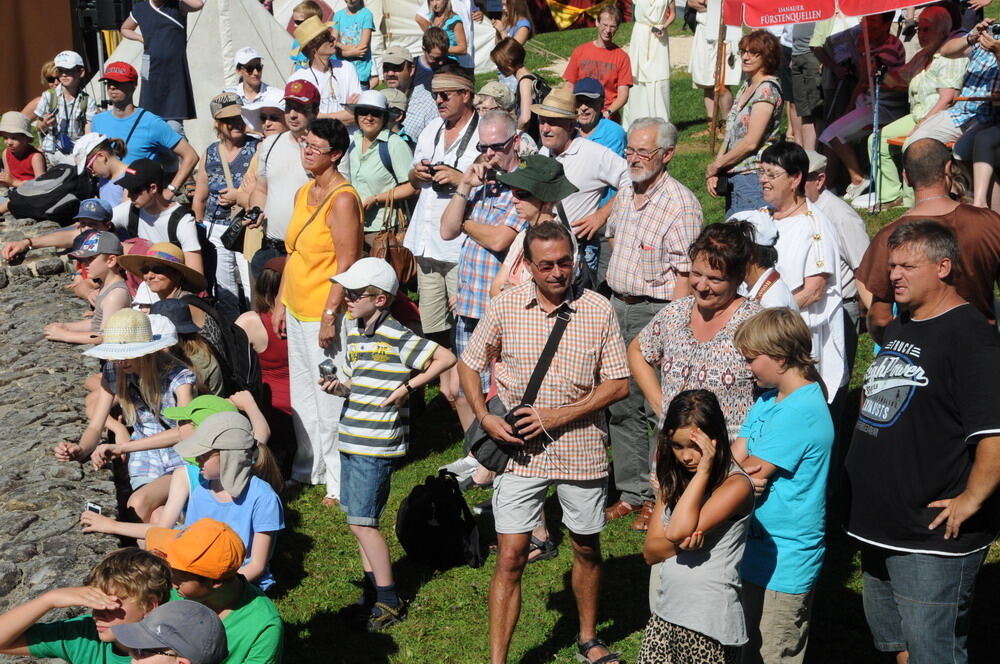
(167, 255)
(128, 334)
(560, 103)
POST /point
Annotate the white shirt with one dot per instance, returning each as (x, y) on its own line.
(155, 228)
(464, 10)
(423, 237)
(592, 168)
(807, 246)
(852, 237)
(335, 86)
(279, 163)
(777, 295)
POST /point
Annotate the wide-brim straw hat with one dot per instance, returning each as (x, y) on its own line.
(560, 103)
(168, 255)
(128, 334)
(542, 176)
(308, 30)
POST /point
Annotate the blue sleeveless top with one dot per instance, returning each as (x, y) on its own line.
(214, 213)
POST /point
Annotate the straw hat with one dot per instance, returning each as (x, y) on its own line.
(169, 255)
(307, 31)
(128, 335)
(560, 103)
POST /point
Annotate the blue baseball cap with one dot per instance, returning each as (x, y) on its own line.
(95, 209)
(588, 87)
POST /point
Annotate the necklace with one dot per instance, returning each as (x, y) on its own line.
(931, 198)
(789, 213)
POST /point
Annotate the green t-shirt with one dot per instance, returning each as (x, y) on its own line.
(254, 631)
(74, 640)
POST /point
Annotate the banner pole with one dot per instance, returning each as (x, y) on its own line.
(720, 82)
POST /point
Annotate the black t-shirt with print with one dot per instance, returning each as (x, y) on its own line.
(929, 396)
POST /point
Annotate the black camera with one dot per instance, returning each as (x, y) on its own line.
(512, 417)
(252, 216)
(440, 187)
(491, 175)
(994, 29)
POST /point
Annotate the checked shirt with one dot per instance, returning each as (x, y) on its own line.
(591, 351)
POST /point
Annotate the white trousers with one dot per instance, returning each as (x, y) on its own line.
(315, 413)
(231, 274)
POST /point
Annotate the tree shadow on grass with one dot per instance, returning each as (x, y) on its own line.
(290, 554)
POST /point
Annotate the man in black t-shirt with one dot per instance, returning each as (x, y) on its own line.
(924, 464)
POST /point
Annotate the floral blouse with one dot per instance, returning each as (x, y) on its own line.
(738, 122)
(687, 364)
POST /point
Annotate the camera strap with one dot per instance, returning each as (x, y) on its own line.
(545, 359)
(462, 144)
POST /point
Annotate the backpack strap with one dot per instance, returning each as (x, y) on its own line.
(383, 155)
(133, 221)
(175, 221)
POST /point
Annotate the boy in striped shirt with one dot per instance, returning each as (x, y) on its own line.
(381, 357)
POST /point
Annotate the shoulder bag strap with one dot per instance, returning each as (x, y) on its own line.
(319, 207)
(135, 124)
(545, 359)
(233, 210)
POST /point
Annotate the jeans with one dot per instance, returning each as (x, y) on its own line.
(745, 194)
(920, 602)
(232, 292)
(364, 487)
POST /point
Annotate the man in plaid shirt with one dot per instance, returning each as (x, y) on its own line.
(652, 223)
(562, 434)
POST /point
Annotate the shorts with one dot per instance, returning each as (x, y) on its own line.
(364, 487)
(437, 282)
(777, 624)
(806, 81)
(518, 503)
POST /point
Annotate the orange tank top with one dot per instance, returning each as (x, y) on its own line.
(312, 257)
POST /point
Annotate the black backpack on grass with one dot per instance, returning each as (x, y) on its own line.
(237, 359)
(435, 525)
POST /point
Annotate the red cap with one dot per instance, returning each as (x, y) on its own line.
(301, 91)
(120, 72)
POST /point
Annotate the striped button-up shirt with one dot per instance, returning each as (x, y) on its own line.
(492, 205)
(591, 351)
(652, 238)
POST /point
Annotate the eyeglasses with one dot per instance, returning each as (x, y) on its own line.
(483, 108)
(645, 155)
(309, 147)
(267, 117)
(444, 94)
(354, 295)
(770, 175)
(496, 147)
(548, 266)
(143, 653)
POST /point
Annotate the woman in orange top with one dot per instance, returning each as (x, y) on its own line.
(324, 238)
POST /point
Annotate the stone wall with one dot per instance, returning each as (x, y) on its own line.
(41, 403)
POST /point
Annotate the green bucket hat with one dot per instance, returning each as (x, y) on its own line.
(199, 408)
(542, 176)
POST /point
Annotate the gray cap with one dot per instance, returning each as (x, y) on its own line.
(817, 162)
(190, 629)
(94, 243)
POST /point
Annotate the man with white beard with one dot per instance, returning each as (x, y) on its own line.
(653, 221)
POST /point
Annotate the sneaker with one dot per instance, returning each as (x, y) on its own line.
(383, 616)
(855, 190)
(462, 468)
(867, 202)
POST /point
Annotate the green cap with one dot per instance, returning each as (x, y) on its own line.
(200, 408)
(542, 176)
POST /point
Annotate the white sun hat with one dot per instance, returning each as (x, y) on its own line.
(128, 334)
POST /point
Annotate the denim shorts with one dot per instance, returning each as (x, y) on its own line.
(364, 487)
(746, 193)
(920, 602)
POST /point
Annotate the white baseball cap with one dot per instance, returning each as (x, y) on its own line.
(370, 99)
(83, 147)
(765, 230)
(245, 55)
(369, 271)
(68, 60)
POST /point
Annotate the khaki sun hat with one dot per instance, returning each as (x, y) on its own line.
(560, 103)
(169, 255)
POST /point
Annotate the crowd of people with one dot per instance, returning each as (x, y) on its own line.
(251, 310)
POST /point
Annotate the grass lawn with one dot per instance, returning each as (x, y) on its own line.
(317, 562)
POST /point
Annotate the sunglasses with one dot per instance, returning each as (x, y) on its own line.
(496, 147)
(445, 95)
(355, 295)
(143, 653)
(361, 111)
(522, 194)
(267, 117)
(51, 79)
(548, 266)
(155, 269)
(253, 68)
(297, 21)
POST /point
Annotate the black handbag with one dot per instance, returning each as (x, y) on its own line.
(493, 454)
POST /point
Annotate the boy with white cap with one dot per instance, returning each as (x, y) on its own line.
(763, 283)
(381, 354)
(64, 112)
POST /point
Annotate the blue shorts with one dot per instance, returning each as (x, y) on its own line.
(364, 487)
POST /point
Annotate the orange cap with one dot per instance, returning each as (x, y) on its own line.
(207, 548)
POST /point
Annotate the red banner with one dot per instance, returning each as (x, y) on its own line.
(766, 13)
(866, 7)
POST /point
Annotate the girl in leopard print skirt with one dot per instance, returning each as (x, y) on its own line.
(698, 529)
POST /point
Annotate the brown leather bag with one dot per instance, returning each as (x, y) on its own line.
(388, 244)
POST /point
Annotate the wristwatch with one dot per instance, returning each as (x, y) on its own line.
(329, 312)
(172, 188)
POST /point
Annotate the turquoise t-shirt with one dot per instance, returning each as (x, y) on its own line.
(74, 640)
(350, 27)
(785, 543)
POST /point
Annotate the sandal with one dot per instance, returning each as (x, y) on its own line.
(383, 616)
(584, 648)
(547, 549)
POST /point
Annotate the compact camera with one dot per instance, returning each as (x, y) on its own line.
(438, 187)
(512, 417)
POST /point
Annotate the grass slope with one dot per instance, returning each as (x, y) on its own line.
(317, 562)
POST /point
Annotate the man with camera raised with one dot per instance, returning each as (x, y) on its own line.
(445, 149)
(559, 362)
(483, 210)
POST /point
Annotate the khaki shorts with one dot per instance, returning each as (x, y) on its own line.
(777, 624)
(437, 282)
(518, 503)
